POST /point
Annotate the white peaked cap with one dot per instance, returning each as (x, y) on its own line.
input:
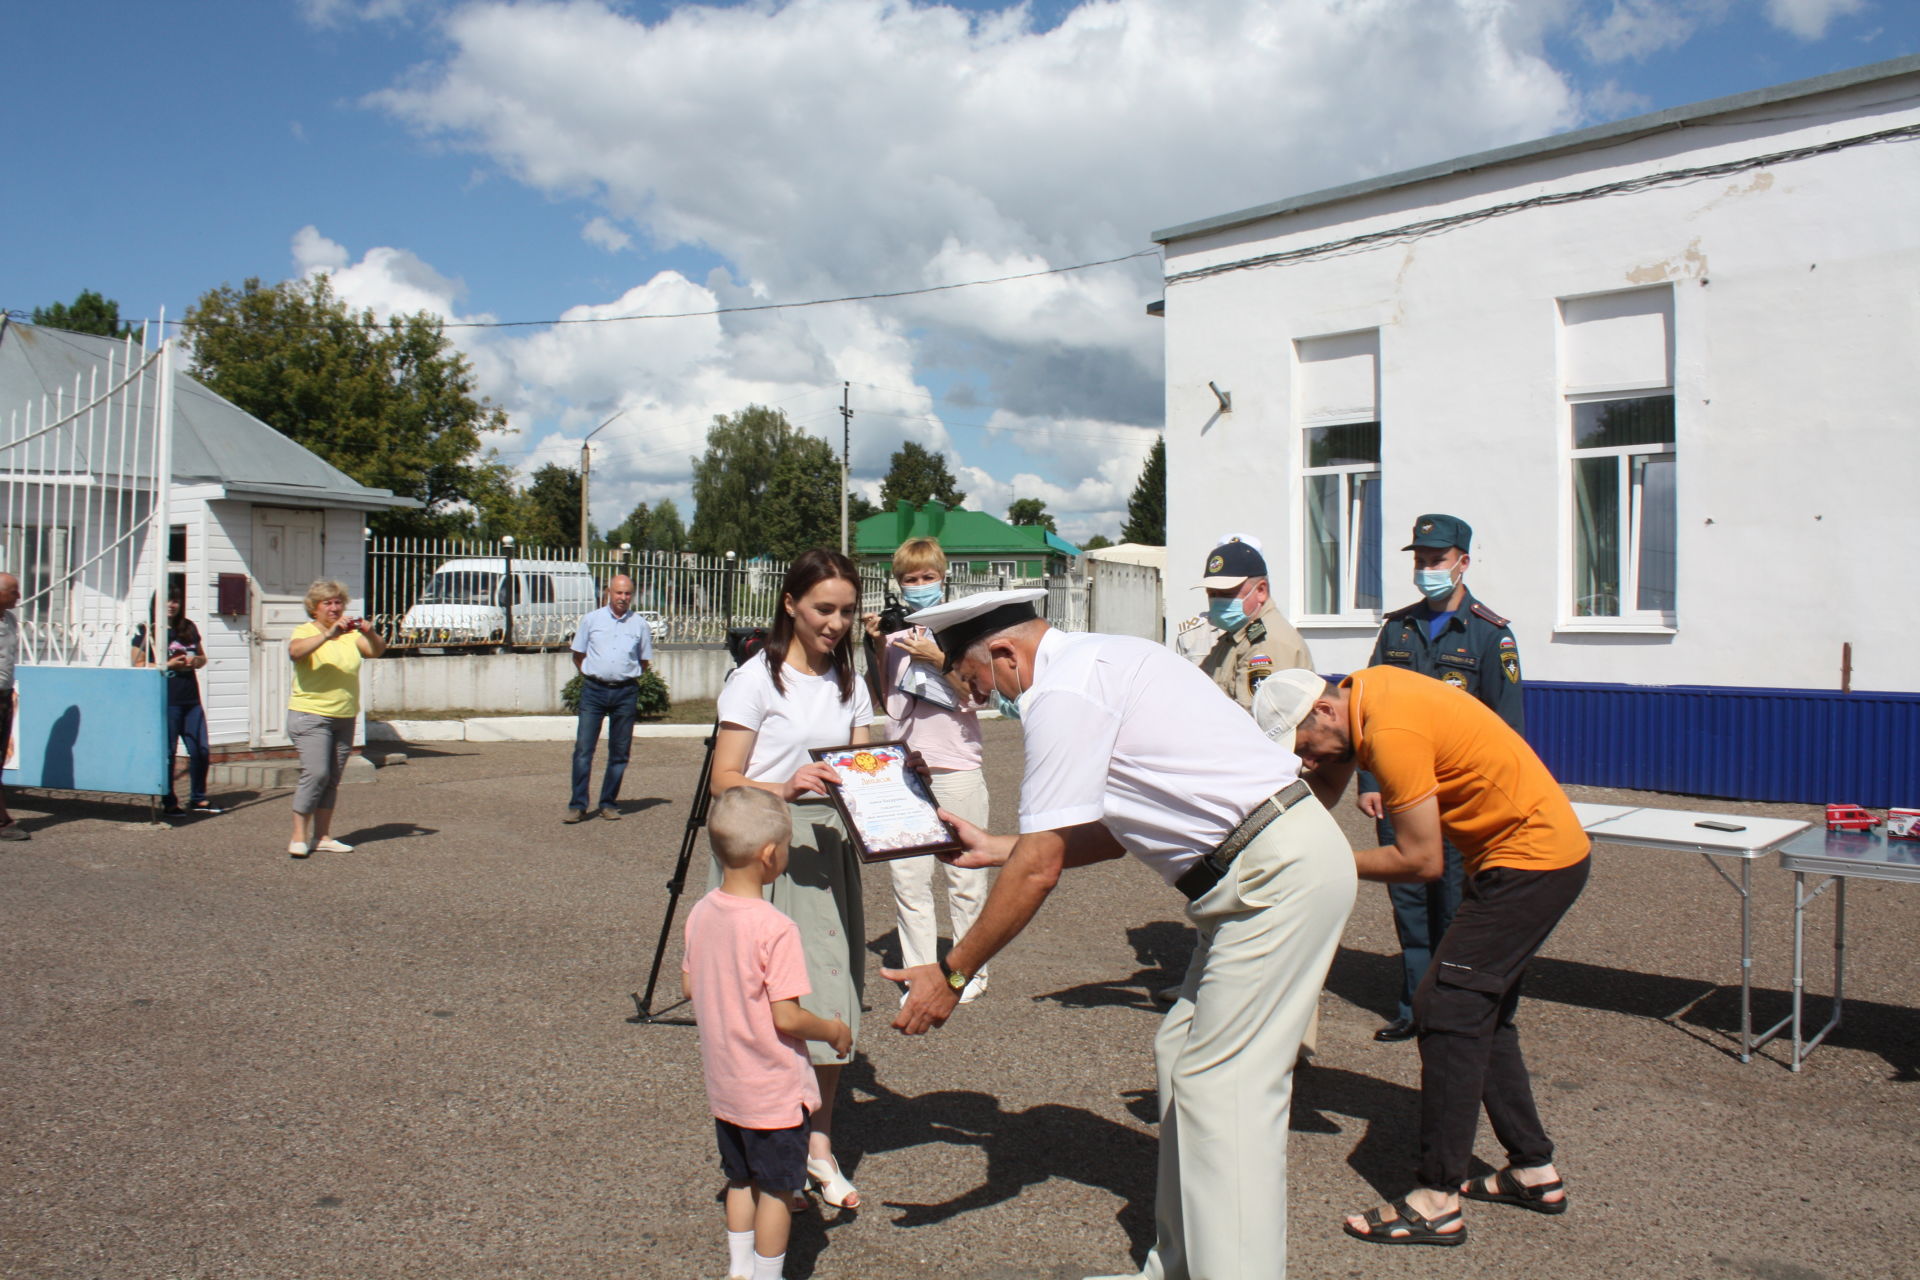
(1283, 701)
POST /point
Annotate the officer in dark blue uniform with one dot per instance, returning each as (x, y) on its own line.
(1448, 635)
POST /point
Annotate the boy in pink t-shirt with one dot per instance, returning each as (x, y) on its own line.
(745, 972)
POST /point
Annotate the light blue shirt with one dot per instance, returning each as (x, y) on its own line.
(613, 648)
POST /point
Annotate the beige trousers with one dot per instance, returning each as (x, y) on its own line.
(961, 791)
(1225, 1053)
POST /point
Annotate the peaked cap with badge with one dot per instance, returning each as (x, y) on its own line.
(956, 624)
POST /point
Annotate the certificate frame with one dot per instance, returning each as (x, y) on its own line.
(878, 759)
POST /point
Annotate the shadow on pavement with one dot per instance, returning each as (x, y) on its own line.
(1162, 947)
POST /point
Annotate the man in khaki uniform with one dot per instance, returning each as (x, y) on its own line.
(1242, 637)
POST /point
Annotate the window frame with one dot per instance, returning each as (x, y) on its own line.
(1351, 527)
(1630, 516)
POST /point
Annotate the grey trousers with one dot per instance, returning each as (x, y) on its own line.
(1226, 1050)
(324, 743)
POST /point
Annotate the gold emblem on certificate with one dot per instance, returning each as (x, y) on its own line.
(890, 811)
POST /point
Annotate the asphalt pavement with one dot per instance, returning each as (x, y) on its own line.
(419, 1059)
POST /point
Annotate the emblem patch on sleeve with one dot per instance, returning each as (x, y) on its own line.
(1510, 663)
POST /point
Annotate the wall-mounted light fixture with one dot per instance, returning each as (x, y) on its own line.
(1224, 397)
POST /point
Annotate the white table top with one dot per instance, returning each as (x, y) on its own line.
(1680, 829)
(1853, 853)
(1589, 814)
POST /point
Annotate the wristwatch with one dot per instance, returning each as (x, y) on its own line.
(955, 978)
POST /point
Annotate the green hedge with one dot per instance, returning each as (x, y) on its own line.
(652, 697)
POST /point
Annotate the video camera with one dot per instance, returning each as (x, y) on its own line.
(745, 642)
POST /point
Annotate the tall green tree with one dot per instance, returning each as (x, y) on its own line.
(858, 508)
(1096, 542)
(919, 476)
(393, 405)
(801, 508)
(89, 313)
(1030, 511)
(550, 511)
(633, 529)
(666, 531)
(730, 480)
(1147, 508)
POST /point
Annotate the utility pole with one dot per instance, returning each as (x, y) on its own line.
(846, 448)
(586, 468)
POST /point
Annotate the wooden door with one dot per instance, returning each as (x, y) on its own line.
(288, 549)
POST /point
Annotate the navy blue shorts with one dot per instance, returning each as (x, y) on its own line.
(774, 1159)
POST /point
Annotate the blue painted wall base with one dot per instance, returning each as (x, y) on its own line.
(1804, 746)
(92, 729)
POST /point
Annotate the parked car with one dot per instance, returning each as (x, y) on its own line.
(657, 622)
(465, 602)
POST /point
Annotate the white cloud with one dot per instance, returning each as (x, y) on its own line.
(338, 13)
(829, 147)
(603, 234)
(1809, 19)
(1637, 29)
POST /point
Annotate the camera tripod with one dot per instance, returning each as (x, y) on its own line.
(742, 643)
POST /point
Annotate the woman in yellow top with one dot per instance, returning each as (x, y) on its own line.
(326, 655)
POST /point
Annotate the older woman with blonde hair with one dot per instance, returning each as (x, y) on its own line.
(326, 654)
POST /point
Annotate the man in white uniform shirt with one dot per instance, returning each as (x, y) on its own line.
(1130, 750)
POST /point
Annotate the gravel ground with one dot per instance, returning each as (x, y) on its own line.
(419, 1059)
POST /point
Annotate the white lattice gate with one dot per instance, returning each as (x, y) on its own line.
(84, 478)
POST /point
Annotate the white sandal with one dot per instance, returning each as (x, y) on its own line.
(824, 1173)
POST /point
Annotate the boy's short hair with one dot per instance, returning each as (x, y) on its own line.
(743, 821)
(916, 554)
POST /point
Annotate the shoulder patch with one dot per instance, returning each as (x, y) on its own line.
(1256, 631)
(1482, 611)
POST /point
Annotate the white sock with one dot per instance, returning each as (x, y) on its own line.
(768, 1268)
(740, 1254)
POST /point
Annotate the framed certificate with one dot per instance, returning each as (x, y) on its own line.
(890, 811)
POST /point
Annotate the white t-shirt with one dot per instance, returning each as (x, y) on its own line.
(1126, 732)
(809, 714)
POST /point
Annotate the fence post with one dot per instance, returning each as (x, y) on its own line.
(727, 587)
(507, 592)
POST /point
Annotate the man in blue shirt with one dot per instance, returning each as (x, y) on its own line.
(613, 646)
(1449, 635)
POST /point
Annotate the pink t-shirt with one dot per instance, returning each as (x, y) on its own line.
(945, 739)
(743, 954)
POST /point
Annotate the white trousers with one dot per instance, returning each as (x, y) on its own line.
(961, 791)
(1225, 1053)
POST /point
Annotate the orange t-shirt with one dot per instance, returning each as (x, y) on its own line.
(1498, 804)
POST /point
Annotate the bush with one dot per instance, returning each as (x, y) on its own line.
(653, 698)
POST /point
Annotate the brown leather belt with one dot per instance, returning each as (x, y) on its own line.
(1212, 868)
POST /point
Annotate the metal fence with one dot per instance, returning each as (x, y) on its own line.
(427, 594)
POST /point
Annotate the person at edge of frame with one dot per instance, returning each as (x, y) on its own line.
(1449, 635)
(1117, 731)
(612, 649)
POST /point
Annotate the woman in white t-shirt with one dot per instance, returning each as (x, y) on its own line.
(800, 694)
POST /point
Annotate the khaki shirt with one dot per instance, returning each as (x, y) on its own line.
(1238, 663)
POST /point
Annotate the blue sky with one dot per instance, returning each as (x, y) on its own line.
(500, 161)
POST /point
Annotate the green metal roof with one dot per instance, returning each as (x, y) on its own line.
(959, 532)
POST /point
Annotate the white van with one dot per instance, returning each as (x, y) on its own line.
(465, 603)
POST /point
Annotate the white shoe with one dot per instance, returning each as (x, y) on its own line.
(975, 988)
(298, 848)
(824, 1172)
(330, 845)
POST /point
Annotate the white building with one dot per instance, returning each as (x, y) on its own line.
(246, 504)
(1666, 370)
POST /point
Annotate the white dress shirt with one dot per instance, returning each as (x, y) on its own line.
(1128, 733)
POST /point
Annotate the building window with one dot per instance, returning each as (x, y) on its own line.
(1003, 568)
(1622, 464)
(1624, 522)
(1342, 500)
(1337, 401)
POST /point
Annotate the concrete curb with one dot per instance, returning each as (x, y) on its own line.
(509, 729)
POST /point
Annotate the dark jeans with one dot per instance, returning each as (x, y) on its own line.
(1421, 914)
(1469, 1048)
(617, 707)
(187, 721)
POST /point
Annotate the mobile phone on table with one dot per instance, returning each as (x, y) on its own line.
(1714, 824)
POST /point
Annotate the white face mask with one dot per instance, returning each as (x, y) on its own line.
(1434, 584)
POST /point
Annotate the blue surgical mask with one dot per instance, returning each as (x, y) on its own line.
(922, 597)
(1227, 614)
(1434, 584)
(1008, 707)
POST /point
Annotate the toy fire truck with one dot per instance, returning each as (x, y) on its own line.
(1850, 817)
(1903, 824)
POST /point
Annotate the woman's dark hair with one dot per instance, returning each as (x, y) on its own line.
(807, 572)
(182, 626)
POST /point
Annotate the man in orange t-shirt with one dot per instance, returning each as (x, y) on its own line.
(1448, 766)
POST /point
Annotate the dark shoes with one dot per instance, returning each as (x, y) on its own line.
(1397, 1030)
